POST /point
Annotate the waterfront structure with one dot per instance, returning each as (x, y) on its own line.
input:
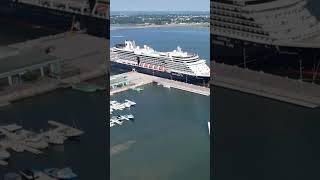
(92, 15)
(261, 34)
(71, 61)
(175, 65)
(20, 140)
(266, 85)
(15, 63)
(118, 80)
(137, 79)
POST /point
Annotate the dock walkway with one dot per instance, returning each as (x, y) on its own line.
(138, 79)
(270, 86)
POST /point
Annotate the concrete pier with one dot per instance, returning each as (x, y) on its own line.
(80, 57)
(270, 86)
(136, 79)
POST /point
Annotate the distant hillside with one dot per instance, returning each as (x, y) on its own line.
(160, 18)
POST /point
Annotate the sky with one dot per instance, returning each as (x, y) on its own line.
(159, 5)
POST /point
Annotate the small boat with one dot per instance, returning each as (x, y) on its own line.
(65, 173)
(29, 174)
(112, 124)
(35, 175)
(123, 117)
(113, 102)
(54, 138)
(128, 116)
(137, 89)
(130, 102)
(4, 154)
(84, 87)
(118, 121)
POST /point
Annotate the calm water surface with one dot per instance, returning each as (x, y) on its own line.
(169, 135)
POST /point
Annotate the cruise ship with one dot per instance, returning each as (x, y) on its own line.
(265, 34)
(91, 15)
(175, 65)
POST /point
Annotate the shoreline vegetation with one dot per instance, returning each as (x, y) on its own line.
(141, 26)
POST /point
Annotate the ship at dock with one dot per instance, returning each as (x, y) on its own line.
(175, 65)
(89, 15)
(266, 34)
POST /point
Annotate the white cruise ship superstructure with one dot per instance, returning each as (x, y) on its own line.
(282, 30)
(176, 65)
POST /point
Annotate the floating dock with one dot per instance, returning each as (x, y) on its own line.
(20, 140)
(136, 79)
(266, 85)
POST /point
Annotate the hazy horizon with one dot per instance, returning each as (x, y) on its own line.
(156, 5)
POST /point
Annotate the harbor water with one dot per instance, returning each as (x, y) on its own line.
(168, 138)
(86, 155)
(260, 138)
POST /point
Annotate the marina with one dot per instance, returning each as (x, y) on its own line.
(17, 139)
(166, 121)
(119, 119)
(114, 105)
(136, 79)
(266, 85)
(45, 174)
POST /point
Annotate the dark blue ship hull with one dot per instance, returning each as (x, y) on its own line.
(173, 76)
(281, 60)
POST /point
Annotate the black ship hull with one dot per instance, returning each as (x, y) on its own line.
(55, 19)
(269, 58)
(168, 75)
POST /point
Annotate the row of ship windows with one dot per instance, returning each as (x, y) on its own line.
(227, 13)
(155, 62)
(63, 6)
(134, 57)
(280, 9)
(234, 9)
(226, 8)
(285, 13)
(236, 21)
(177, 66)
(232, 15)
(141, 58)
(183, 60)
(242, 34)
(235, 27)
(78, 9)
